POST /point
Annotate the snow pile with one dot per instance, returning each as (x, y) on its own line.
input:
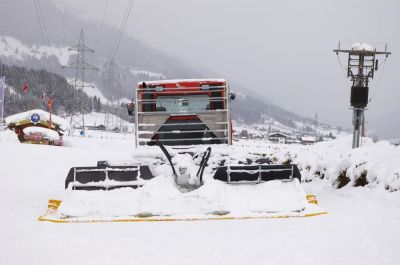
(8, 136)
(359, 46)
(161, 197)
(44, 115)
(372, 165)
(46, 133)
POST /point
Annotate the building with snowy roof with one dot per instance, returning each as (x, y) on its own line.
(308, 140)
(277, 137)
(38, 127)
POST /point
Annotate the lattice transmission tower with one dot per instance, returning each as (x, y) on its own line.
(80, 66)
(113, 83)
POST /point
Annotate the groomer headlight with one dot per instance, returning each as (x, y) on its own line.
(159, 88)
(205, 87)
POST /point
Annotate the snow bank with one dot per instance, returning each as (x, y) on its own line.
(161, 197)
(47, 133)
(8, 136)
(372, 165)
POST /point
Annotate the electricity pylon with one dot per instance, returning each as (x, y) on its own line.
(361, 66)
(80, 66)
(113, 84)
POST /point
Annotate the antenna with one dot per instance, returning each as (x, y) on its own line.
(361, 66)
(78, 112)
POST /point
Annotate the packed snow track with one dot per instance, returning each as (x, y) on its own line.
(362, 226)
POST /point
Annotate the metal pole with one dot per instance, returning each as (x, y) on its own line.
(357, 117)
(2, 92)
(137, 118)
(228, 115)
(358, 113)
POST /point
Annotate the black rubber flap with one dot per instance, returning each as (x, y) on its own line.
(251, 173)
(93, 175)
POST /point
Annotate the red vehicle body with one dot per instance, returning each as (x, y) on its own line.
(183, 112)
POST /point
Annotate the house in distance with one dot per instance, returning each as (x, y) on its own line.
(278, 137)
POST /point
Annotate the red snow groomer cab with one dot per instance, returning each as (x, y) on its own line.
(182, 112)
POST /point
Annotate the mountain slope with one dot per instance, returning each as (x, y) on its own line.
(23, 44)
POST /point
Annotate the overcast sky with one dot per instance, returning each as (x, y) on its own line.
(281, 49)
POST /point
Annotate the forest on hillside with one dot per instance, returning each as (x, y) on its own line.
(29, 89)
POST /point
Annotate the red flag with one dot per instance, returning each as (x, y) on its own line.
(50, 103)
(26, 87)
(42, 96)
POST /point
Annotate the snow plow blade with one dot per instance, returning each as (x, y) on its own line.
(53, 216)
(257, 173)
(106, 177)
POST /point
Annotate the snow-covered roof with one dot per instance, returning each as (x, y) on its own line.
(309, 139)
(47, 133)
(43, 116)
(359, 46)
(277, 134)
(174, 81)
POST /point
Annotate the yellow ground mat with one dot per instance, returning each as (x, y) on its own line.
(51, 216)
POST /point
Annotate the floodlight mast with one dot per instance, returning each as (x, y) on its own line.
(361, 66)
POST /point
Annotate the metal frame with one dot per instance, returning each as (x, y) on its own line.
(107, 183)
(139, 125)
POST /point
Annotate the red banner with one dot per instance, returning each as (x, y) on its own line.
(26, 87)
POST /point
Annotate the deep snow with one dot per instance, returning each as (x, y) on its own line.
(362, 226)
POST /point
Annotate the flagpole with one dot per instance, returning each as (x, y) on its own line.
(2, 80)
(50, 105)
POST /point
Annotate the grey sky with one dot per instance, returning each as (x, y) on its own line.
(281, 49)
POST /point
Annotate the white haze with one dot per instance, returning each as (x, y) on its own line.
(280, 49)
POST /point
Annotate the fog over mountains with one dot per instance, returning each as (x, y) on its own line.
(22, 43)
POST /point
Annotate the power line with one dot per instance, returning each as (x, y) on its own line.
(379, 79)
(44, 23)
(343, 69)
(121, 29)
(40, 22)
(102, 24)
(62, 20)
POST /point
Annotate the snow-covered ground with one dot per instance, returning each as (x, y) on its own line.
(91, 89)
(111, 121)
(362, 226)
(14, 48)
